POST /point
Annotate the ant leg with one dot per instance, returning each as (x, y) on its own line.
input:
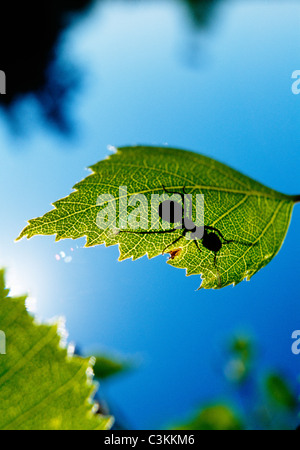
(248, 244)
(197, 245)
(218, 273)
(172, 192)
(215, 263)
(151, 232)
(159, 232)
(227, 241)
(207, 227)
(174, 242)
(182, 195)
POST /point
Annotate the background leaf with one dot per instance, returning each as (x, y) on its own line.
(41, 388)
(252, 400)
(218, 417)
(107, 366)
(242, 209)
(279, 391)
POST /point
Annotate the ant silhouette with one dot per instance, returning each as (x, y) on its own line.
(173, 212)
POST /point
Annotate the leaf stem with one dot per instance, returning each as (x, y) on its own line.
(296, 198)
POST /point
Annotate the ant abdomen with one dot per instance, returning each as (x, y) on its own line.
(212, 242)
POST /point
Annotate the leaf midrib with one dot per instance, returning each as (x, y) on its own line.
(272, 195)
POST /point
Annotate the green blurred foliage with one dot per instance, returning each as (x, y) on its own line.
(106, 367)
(214, 417)
(240, 355)
(201, 11)
(280, 392)
(257, 401)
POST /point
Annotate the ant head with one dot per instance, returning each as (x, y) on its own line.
(170, 211)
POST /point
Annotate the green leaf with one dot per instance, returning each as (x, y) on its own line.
(280, 392)
(41, 387)
(217, 417)
(239, 364)
(107, 367)
(253, 216)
